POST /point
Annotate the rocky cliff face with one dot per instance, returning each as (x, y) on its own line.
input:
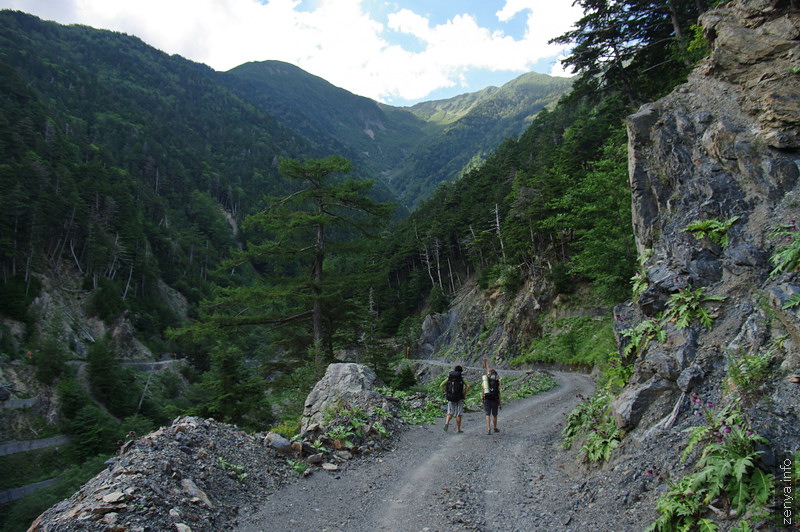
(724, 147)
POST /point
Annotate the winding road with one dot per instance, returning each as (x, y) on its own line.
(443, 481)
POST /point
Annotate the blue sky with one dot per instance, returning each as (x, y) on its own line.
(399, 52)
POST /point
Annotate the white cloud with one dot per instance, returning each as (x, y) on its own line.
(560, 70)
(337, 40)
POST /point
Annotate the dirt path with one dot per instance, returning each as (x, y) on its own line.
(443, 481)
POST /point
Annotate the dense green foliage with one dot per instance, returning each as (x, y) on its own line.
(591, 422)
(138, 170)
(119, 160)
(473, 125)
(726, 474)
(573, 341)
(20, 514)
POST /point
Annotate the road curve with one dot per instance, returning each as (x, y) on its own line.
(440, 481)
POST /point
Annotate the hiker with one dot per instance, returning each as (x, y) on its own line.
(490, 395)
(455, 389)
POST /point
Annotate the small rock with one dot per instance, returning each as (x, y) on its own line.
(180, 527)
(343, 455)
(115, 497)
(316, 458)
(327, 466)
(193, 491)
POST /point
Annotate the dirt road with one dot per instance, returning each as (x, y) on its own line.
(517, 479)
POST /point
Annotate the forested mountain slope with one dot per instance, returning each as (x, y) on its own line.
(413, 149)
(472, 126)
(500, 264)
(377, 135)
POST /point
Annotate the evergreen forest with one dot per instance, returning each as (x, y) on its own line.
(232, 230)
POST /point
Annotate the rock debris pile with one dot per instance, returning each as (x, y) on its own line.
(197, 474)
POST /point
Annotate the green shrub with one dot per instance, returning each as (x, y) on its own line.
(437, 300)
(537, 384)
(725, 476)
(72, 397)
(106, 301)
(563, 282)
(786, 256)
(571, 341)
(93, 432)
(404, 379)
(19, 514)
(16, 296)
(715, 230)
(288, 428)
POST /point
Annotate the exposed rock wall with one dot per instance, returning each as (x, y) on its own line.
(483, 324)
(724, 144)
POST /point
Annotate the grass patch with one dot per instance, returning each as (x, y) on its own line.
(536, 384)
(572, 341)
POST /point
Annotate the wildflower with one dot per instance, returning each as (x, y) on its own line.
(726, 429)
(709, 405)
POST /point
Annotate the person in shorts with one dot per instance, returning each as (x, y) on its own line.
(455, 388)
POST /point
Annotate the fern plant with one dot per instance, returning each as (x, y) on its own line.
(297, 466)
(592, 420)
(715, 230)
(342, 434)
(792, 302)
(641, 335)
(748, 372)
(686, 306)
(786, 257)
(639, 281)
(236, 470)
(725, 478)
(601, 439)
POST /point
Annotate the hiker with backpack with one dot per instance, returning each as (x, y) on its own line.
(455, 390)
(490, 395)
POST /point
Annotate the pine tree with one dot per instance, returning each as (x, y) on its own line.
(293, 235)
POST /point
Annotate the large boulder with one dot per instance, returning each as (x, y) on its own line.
(344, 384)
(633, 402)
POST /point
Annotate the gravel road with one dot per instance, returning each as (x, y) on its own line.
(517, 479)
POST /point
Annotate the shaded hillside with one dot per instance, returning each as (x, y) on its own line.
(413, 149)
(473, 125)
(352, 125)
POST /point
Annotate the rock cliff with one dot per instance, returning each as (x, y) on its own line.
(722, 150)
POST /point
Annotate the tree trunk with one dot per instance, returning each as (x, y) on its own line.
(316, 313)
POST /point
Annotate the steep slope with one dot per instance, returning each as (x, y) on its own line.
(352, 124)
(723, 145)
(473, 126)
(721, 148)
(414, 149)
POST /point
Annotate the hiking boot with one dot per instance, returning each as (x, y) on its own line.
(489, 432)
(496, 429)
(446, 426)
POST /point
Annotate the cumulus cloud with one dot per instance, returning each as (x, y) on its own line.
(338, 40)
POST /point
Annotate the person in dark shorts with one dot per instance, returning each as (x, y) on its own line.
(490, 395)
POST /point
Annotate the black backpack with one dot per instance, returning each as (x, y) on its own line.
(494, 387)
(454, 389)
